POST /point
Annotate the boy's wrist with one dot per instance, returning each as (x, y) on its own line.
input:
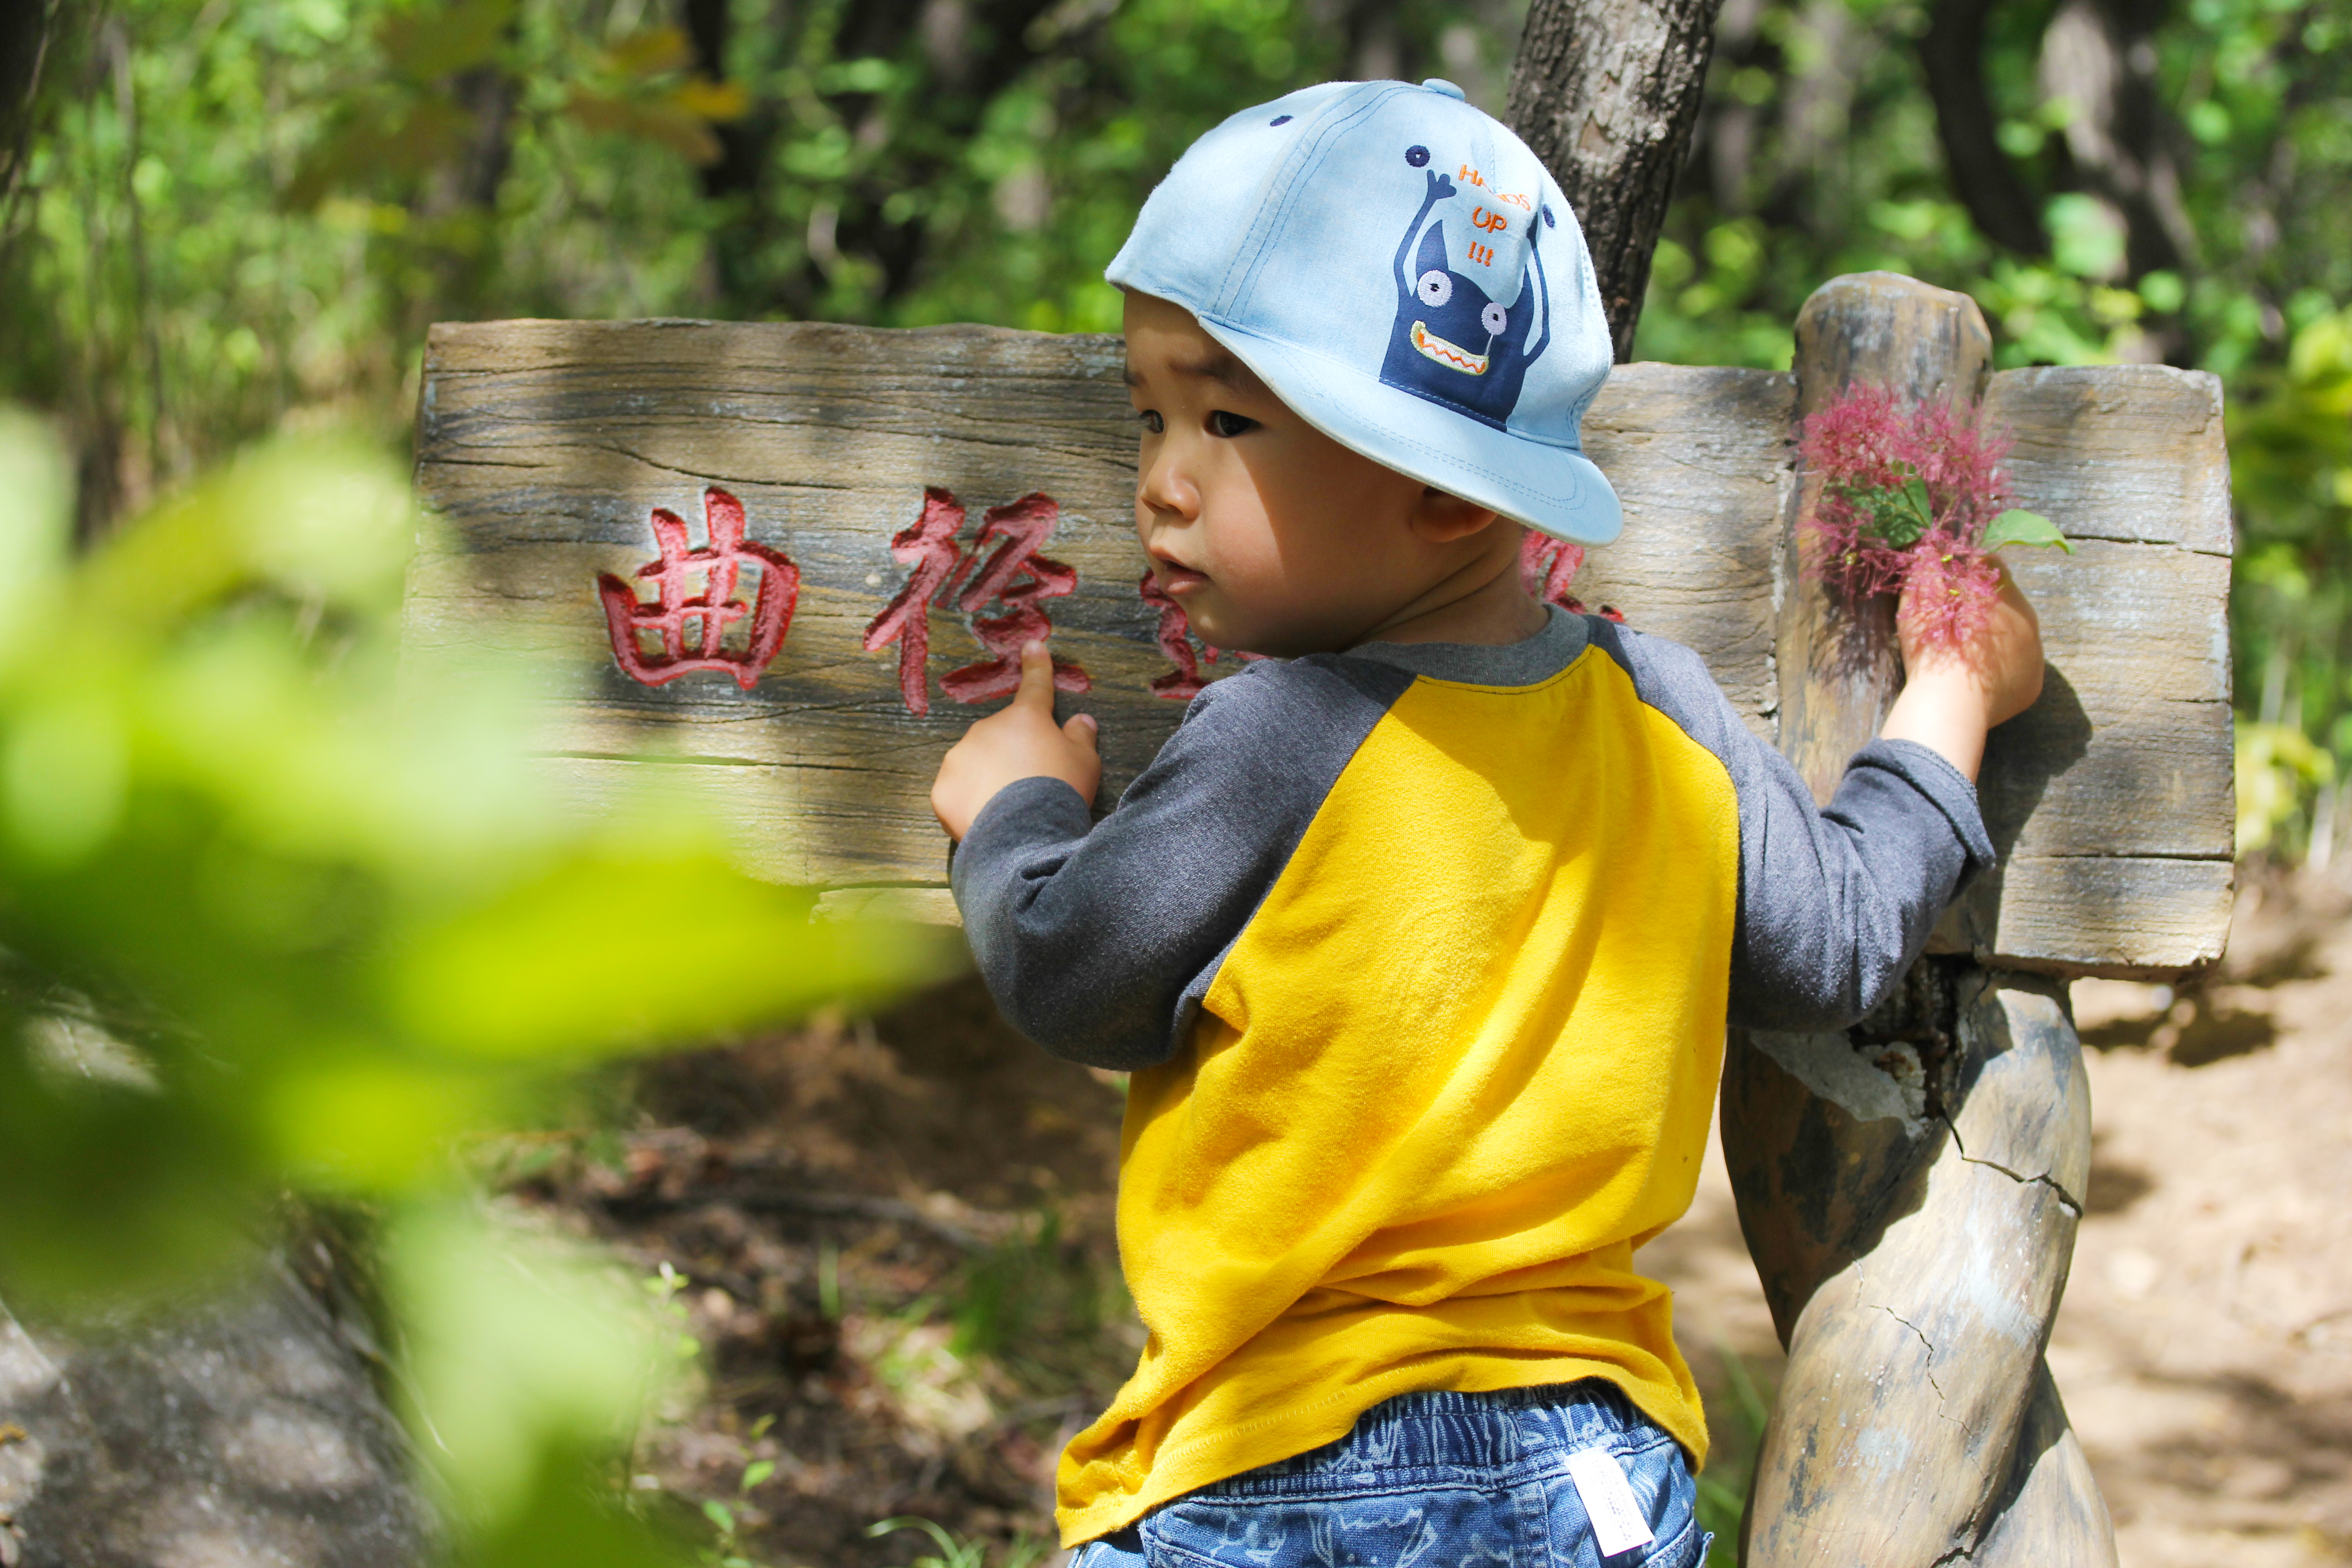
(1948, 710)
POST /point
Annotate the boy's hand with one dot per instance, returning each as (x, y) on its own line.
(1019, 741)
(1951, 696)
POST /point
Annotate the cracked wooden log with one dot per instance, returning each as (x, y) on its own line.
(1909, 1189)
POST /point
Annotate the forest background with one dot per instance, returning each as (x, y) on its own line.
(223, 222)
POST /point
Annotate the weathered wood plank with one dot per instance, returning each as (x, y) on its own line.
(547, 444)
(1838, 663)
(1701, 459)
(2126, 452)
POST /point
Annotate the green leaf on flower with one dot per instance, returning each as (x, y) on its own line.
(1893, 519)
(1914, 492)
(2018, 526)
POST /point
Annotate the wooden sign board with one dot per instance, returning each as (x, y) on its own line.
(548, 447)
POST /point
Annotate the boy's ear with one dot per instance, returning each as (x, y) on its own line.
(1441, 519)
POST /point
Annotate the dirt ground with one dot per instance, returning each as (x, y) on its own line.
(2205, 1346)
(892, 1240)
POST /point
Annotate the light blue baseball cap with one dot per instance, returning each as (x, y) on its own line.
(1404, 274)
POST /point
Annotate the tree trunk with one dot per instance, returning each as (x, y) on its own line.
(27, 30)
(1606, 92)
(2098, 56)
(1952, 53)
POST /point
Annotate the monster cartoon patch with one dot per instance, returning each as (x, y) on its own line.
(1453, 342)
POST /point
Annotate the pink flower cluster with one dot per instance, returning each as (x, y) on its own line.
(1908, 489)
(1547, 566)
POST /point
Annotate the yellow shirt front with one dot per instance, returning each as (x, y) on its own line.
(1458, 1066)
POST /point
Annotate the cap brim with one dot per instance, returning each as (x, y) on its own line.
(1551, 488)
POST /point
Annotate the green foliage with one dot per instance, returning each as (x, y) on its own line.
(1820, 157)
(2279, 771)
(1818, 154)
(955, 1553)
(311, 183)
(1722, 1485)
(2291, 461)
(278, 911)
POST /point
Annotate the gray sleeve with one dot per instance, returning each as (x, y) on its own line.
(1099, 939)
(1836, 901)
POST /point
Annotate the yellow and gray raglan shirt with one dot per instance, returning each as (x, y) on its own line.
(1421, 957)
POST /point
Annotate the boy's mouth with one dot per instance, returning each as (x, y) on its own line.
(1175, 579)
(1453, 356)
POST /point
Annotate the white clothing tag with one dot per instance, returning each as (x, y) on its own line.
(1617, 1522)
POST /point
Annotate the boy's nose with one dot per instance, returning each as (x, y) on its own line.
(1165, 488)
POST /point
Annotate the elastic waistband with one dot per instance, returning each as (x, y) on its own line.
(1451, 1431)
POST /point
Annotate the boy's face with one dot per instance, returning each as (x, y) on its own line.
(1274, 538)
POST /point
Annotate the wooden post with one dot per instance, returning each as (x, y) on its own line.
(1909, 1188)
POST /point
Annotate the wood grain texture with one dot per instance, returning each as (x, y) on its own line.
(1700, 458)
(2113, 799)
(2053, 1512)
(545, 444)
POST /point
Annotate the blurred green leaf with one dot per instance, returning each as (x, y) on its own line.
(279, 908)
(620, 955)
(2278, 768)
(716, 100)
(36, 472)
(428, 43)
(378, 138)
(655, 51)
(665, 122)
(515, 1342)
(2018, 526)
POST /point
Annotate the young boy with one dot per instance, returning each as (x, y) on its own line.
(1420, 937)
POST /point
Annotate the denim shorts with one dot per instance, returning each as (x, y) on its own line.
(1432, 1480)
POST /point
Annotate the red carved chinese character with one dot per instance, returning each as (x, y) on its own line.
(690, 631)
(1183, 683)
(1547, 565)
(929, 547)
(1016, 577)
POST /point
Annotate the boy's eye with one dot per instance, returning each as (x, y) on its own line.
(1151, 420)
(1221, 423)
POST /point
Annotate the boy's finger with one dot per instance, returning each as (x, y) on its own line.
(1036, 689)
(1082, 728)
